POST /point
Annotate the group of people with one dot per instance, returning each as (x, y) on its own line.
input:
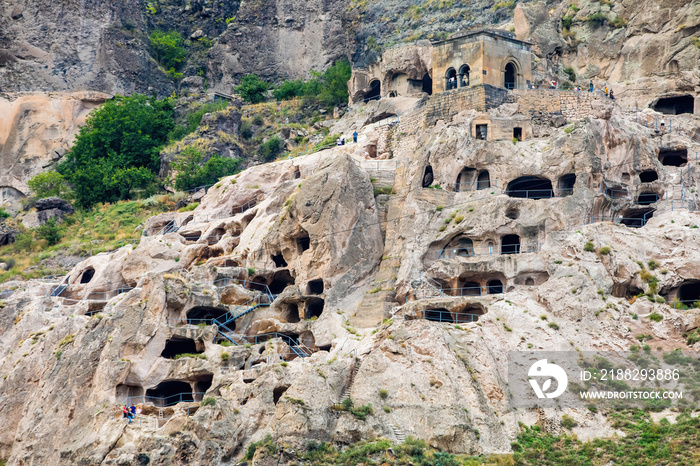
(341, 141)
(129, 412)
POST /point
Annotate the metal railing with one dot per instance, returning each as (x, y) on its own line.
(379, 165)
(684, 304)
(475, 185)
(247, 205)
(166, 400)
(664, 124)
(438, 315)
(489, 250)
(539, 193)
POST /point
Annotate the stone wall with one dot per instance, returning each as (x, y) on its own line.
(445, 105)
(574, 105)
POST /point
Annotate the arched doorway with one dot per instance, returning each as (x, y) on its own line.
(484, 180)
(450, 79)
(509, 77)
(375, 90)
(464, 76)
(427, 177)
(427, 85)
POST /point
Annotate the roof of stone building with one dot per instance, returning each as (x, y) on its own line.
(473, 33)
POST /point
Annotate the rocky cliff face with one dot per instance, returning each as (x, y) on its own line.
(329, 282)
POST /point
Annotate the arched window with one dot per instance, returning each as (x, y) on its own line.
(464, 76)
(510, 75)
(375, 90)
(451, 79)
(483, 181)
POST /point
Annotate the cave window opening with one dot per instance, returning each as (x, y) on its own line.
(469, 289)
(179, 345)
(637, 218)
(509, 76)
(675, 105)
(512, 214)
(451, 79)
(204, 315)
(438, 315)
(518, 133)
(530, 187)
(191, 236)
(277, 393)
(648, 176)
(464, 76)
(215, 236)
(375, 90)
(279, 261)
(510, 244)
(290, 313)
(482, 131)
(427, 176)
(427, 84)
(281, 280)
(467, 315)
(616, 192)
(169, 393)
(303, 243)
(315, 286)
(566, 184)
(465, 247)
(647, 198)
(201, 386)
(495, 287)
(484, 180)
(87, 275)
(673, 157)
(529, 281)
(689, 293)
(129, 394)
(466, 179)
(314, 308)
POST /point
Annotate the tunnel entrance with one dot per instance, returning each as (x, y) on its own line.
(466, 179)
(518, 133)
(438, 315)
(87, 275)
(566, 184)
(510, 244)
(530, 187)
(204, 315)
(458, 246)
(648, 176)
(637, 218)
(290, 313)
(647, 198)
(281, 280)
(427, 176)
(495, 287)
(427, 84)
(278, 259)
(375, 91)
(673, 157)
(201, 385)
(314, 286)
(169, 393)
(484, 180)
(179, 345)
(689, 293)
(313, 308)
(675, 105)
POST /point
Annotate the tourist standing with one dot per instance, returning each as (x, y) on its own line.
(354, 136)
(590, 86)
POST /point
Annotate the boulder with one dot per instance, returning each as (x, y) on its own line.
(53, 202)
(7, 234)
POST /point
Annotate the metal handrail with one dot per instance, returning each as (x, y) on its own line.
(475, 185)
(489, 250)
(132, 400)
(437, 315)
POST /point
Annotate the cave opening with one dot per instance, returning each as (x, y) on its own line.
(689, 293)
(617, 192)
(647, 198)
(465, 180)
(314, 308)
(673, 157)
(281, 280)
(427, 84)
(124, 392)
(469, 289)
(290, 313)
(512, 213)
(637, 218)
(675, 105)
(303, 243)
(647, 176)
(179, 345)
(201, 385)
(169, 392)
(530, 187)
(468, 314)
(191, 235)
(277, 393)
(427, 176)
(278, 259)
(438, 315)
(495, 287)
(215, 235)
(205, 314)
(529, 281)
(566, 184)
(510, 244)
(483, 181)
(314, 286)
(87, 275)
(374, 92)
(518, 133)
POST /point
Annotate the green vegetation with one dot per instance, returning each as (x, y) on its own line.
(189, 122)
(383, 394)
(618, 23)
(597, 19)
(569, 71)
(252, 89)
(655, 317)
(190, 355)
(329, 88)
(270, 149)
(4, 214)
(169, 51)
(208, 401)
(49, 232)
(567, 21)
(605, 250)
(49, 184)
(589, 247)
(118, 150)
(267, 443)
(191, 173)
(553, 325)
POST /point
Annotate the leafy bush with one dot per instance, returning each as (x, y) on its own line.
(4, 213)
(655, 317)
(618, 23)
(208, 401)
(605, 250)
(168, 49)
(567, 422)
(193, 119)
(118, 149)
(597, 19)
(191, 173)
(589, 247)
(270, 149)
(569, 71)
(50, 232)
(246, 129)
(252, 89)
(329, 88)
(290, 89)
(49, 184)
(567, 21)
(553, 325)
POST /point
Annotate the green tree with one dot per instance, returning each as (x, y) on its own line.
(191, 173)
(271, 148)
(49, 184)
(50, 232)
(290, 89)
(335, 84)
(118, 149)
(168, 48)
(252, 89)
